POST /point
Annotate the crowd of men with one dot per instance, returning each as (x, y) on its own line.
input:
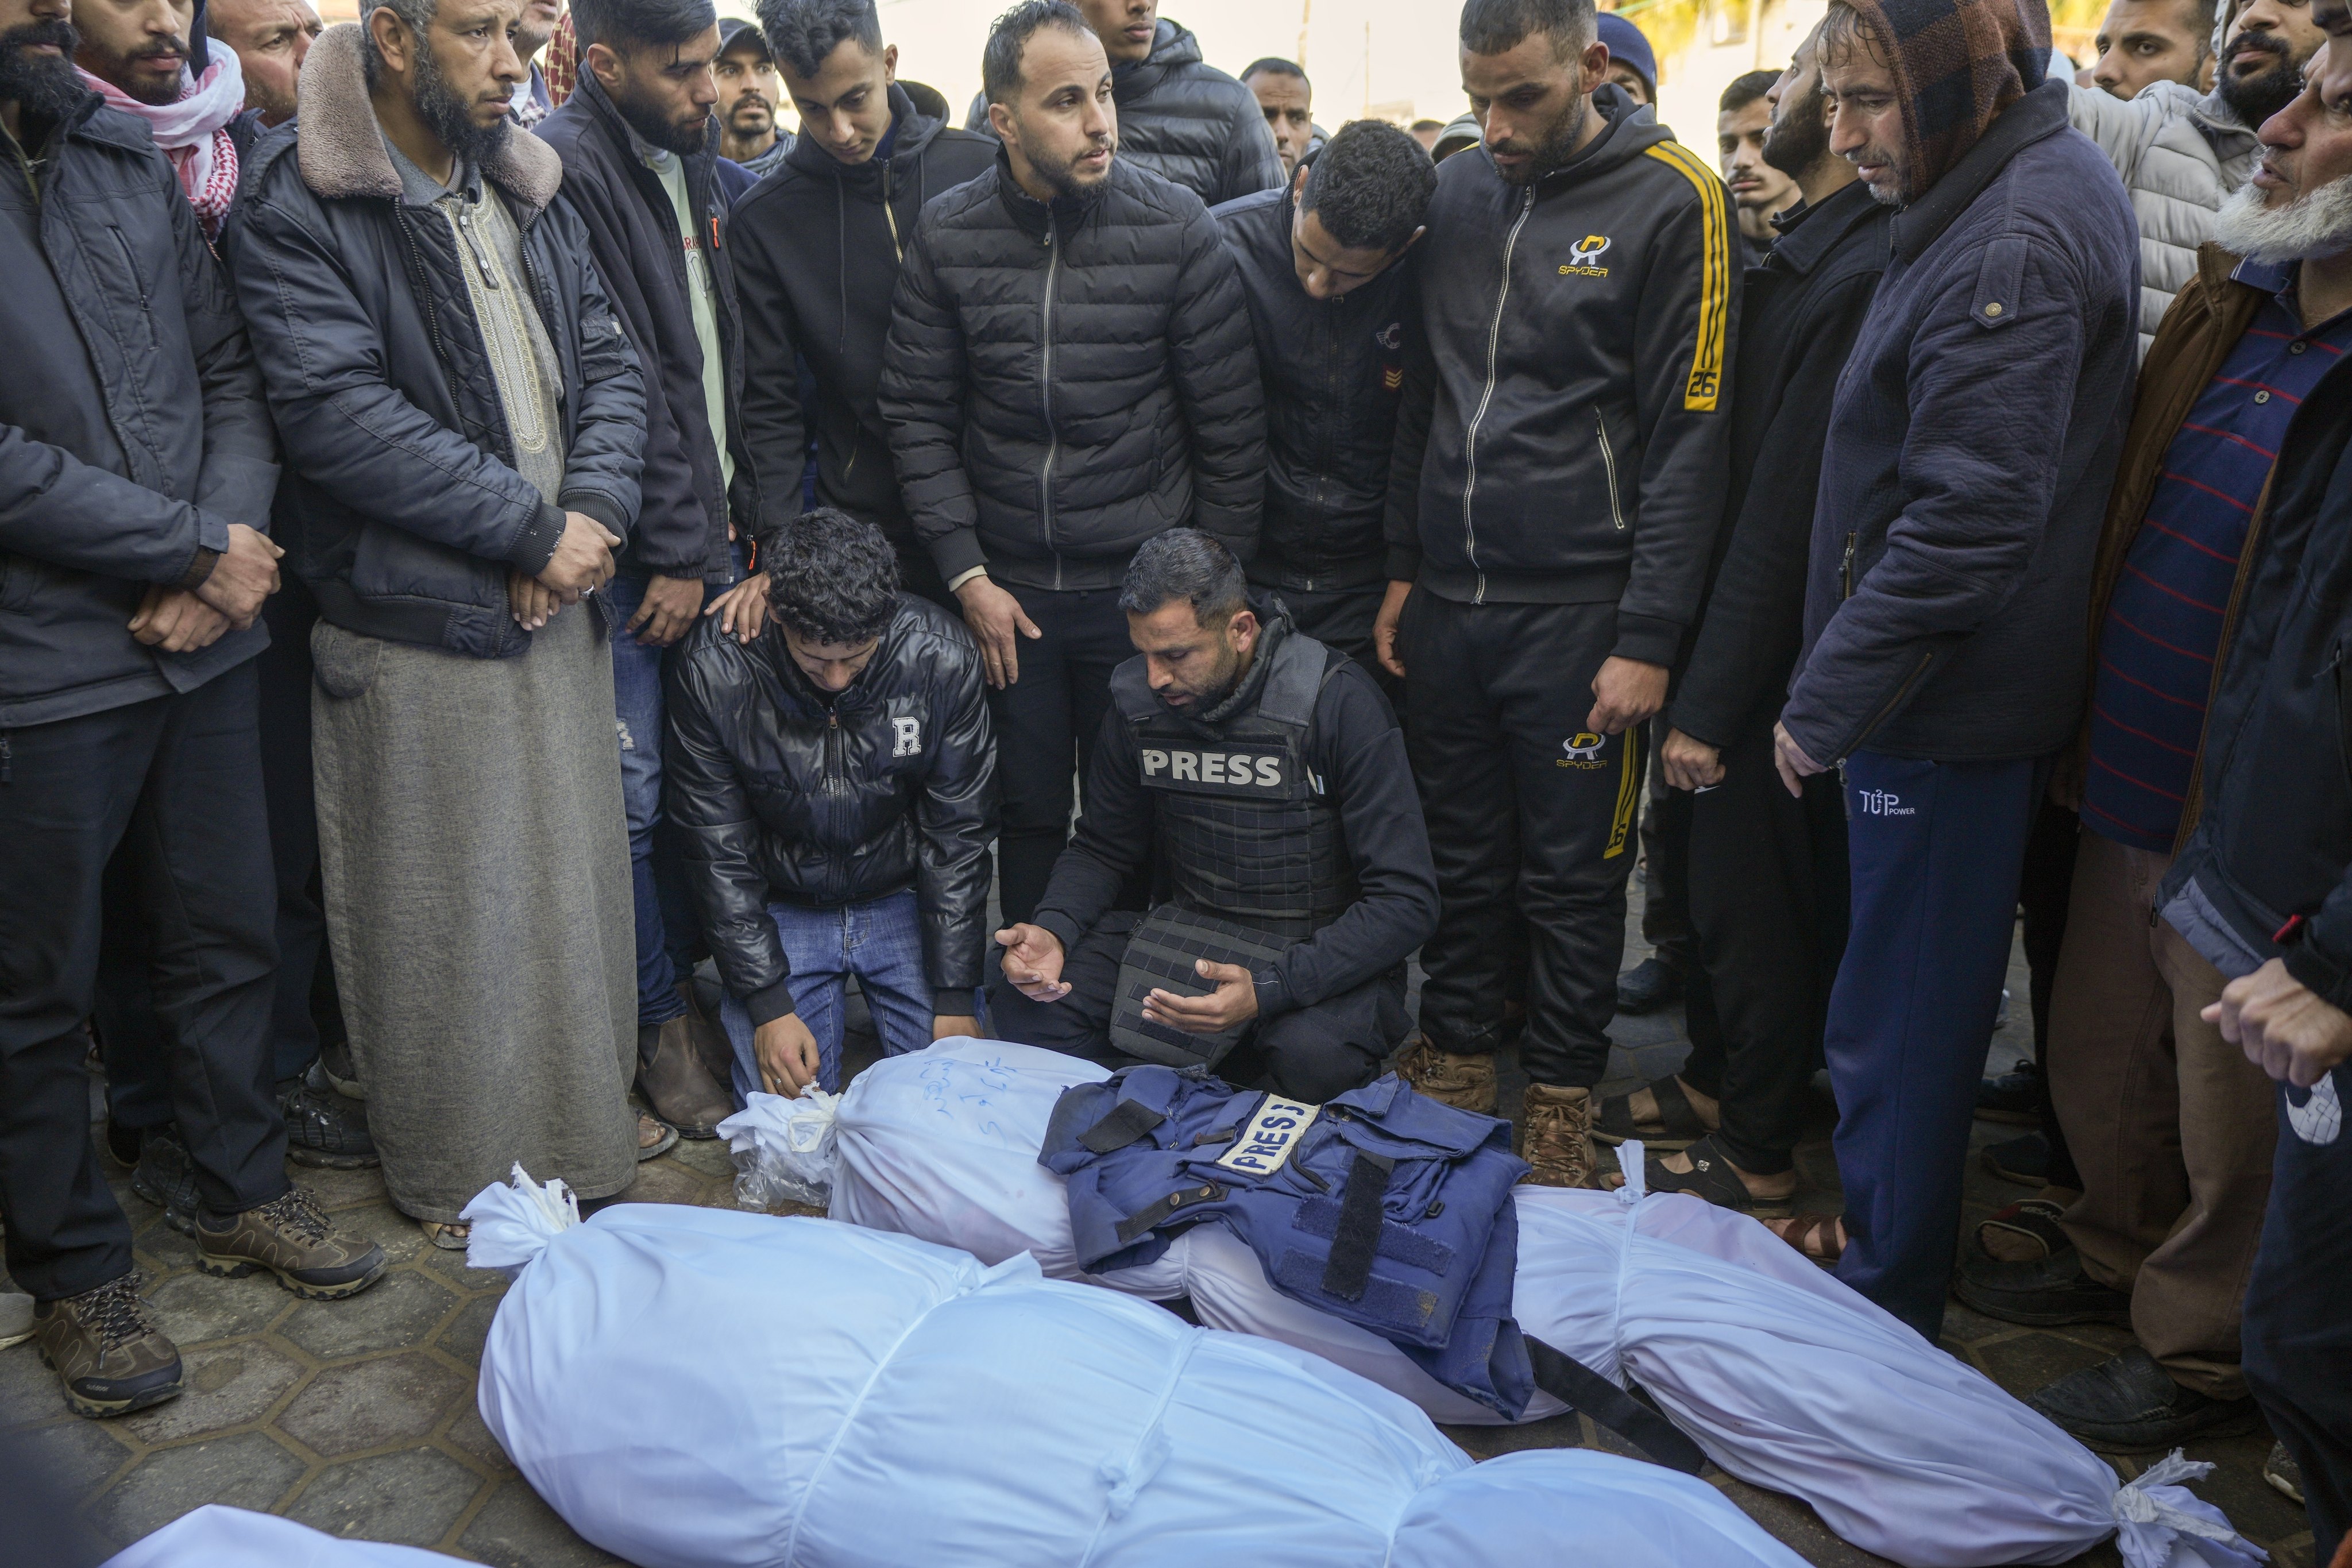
(492, 523)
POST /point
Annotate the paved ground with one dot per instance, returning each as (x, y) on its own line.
(358, 1417)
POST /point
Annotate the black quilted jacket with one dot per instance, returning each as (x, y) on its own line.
(784, 793)
(1061, 382)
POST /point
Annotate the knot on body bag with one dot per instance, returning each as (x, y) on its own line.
(1631, 1166)
(2152, 1511)
(512, 1224)
(783, 1147)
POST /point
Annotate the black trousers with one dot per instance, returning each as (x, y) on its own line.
(1309, 1054)
(1525, 806)
(2298, 1322)
(177, 780)
(1046, 722)
(2042, 894)
(1342, 618)
(1665, 881)
(130, 1031)
(1769, 897)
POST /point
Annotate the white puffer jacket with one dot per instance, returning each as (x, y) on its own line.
(2179, 154)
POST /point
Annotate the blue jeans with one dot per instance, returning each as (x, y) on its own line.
(1936, 852)
(667, 936)
(881, 942)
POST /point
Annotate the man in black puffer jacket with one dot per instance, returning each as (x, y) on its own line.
(1068, 373)
(816, 260)
(1327, 299)
(1179, 117)
(835, 782)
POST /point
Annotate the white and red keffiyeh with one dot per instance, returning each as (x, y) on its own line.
(194, 131)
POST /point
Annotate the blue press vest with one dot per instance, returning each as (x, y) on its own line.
(1383, 1207)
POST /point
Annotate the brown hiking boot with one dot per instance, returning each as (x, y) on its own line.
(675, 1083)
(291, 1238)
(1559, 1138)
(1464, 1082)
(108, 1354)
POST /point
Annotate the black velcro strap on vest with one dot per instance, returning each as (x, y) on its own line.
(1572, 1382)
(1357, 1237)
(1128, 1121)
(1144, 1220)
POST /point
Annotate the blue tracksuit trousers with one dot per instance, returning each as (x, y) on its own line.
(1936, 852)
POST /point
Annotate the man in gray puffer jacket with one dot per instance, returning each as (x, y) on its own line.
(2180, 152)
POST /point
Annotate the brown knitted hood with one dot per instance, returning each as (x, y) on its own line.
(1957, 64)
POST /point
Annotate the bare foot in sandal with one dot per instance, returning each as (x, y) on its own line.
(448, 1237)
(1643, 1103)
(1820, 1236)
(1777, 1189)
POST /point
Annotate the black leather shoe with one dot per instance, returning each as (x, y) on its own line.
(2046, 1292)
(2025, 1160)
(2014, 1097)
(2129, 1404)
(1648, 986)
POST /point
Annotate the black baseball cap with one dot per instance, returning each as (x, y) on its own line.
(733, 27)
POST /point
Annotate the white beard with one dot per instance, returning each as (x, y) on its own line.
(2317, 223)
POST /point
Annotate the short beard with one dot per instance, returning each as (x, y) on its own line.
(1798, 137)
(42, 86)
(171, 90)
(2318, 223)
(2256, 98)
(451, 117)
(1558, 142)
(1065, 184)
(664, 133)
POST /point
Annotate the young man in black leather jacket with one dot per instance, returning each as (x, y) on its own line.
(834, 781)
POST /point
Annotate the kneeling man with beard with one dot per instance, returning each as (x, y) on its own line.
(1263, 776)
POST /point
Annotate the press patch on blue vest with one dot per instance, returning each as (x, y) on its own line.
(1273, 1132)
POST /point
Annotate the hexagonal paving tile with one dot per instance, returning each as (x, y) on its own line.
(28, 1391)
(371, 1402)
(515, 1529)
(397, 1311)
(704, 1156)
(248, 1470)
(228, 1386)
(451, 1265)
(463, 1338)
(76, 1454)
(195, 1309)
(386, 1227)
(469, 1436)
(411, 1497)
(156, 1247)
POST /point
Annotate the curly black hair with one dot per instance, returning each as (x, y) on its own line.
(1371, 185)
(831, 578)
(802, 34)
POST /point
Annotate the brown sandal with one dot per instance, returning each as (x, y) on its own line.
(1815, 1236)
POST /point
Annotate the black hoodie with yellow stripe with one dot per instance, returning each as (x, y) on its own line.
(1562, 438)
